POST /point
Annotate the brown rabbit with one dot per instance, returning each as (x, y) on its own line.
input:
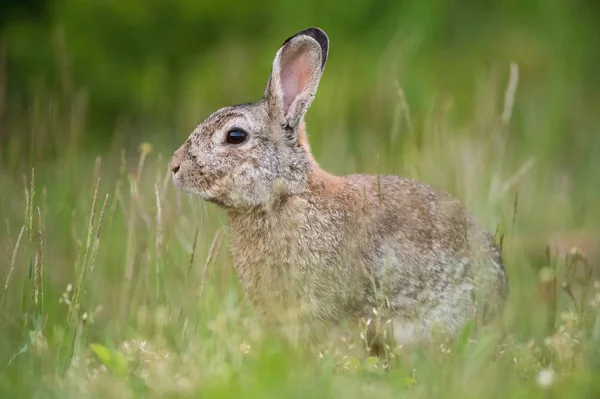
(334, 248)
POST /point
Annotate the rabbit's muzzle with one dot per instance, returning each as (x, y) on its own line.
(179, 158)
(184, 168)
(194, 178)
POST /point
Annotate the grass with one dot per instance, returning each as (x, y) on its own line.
(118, 285)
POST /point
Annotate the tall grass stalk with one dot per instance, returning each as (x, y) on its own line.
(13, 260)
(158, 243)
(86, 260)
(212, 253)
(96, 245)
(40, 258)
(88, 246)
(30, 202)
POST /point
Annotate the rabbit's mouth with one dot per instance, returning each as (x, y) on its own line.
(194, 189)
(190, 184)
(199, 185)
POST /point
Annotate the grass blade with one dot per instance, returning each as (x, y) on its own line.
(11, 269)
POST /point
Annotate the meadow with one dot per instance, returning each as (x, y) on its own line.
(113, 283)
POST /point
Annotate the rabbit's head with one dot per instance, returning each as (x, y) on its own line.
(248, 155)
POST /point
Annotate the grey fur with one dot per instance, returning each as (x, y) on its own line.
(325, 248)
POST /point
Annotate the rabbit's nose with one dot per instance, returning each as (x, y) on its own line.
(179, 157)
(175, 165)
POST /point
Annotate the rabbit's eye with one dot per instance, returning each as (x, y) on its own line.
(236, 136)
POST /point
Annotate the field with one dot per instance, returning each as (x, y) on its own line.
(113, 283)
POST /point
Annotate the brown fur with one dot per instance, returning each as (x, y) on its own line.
(312, 249)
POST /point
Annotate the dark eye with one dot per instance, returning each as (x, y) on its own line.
(236, 136)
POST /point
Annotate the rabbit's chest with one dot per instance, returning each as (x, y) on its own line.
(273, 257)
(291, 262)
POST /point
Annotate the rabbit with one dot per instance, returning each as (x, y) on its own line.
(334, 248)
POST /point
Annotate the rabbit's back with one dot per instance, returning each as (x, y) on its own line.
(431, 261)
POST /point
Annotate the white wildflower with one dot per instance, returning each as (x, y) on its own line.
(545, 378)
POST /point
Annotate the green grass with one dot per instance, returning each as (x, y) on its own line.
(119, 285)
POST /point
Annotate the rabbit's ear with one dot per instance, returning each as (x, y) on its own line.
(295, 76)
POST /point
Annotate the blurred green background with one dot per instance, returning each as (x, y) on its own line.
(416, 88)
(99, 76)
(156, 68)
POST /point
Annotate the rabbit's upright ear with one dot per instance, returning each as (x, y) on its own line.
(295, 76)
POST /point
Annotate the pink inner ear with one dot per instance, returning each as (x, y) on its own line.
(296, 71)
